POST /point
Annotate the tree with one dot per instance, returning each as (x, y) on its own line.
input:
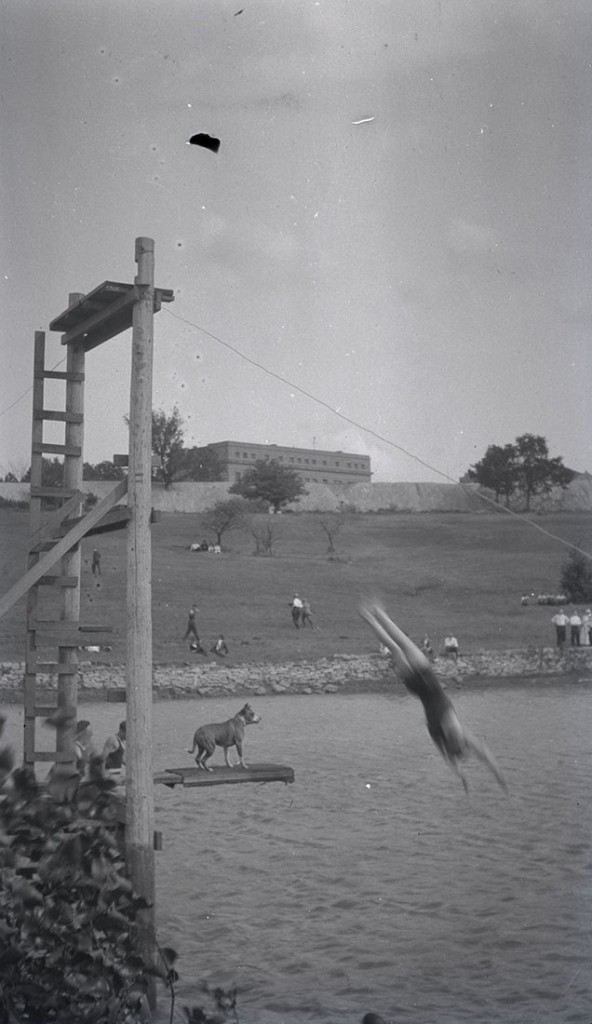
(576, 577)
(497, 471)
(270, 481)
(202, 464)
(225, 516)
(105, 470)
(536, 473)
(330, 525)
(52, 473)
(523, 467)
(167, 442)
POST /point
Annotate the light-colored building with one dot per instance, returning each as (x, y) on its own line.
(312, 465)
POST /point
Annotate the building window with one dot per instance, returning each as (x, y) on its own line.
(237, 455)
(237, 475)
(245, 456)
(306, 461)
(349, 465)
(253, 455)
(324, 464)
(291, 458)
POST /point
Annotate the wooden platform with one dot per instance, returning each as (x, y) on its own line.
(223, 776)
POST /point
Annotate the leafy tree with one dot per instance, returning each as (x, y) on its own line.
(523, 467)
(497, 471)
(270, 481)
(576, 577)
(167, 442)
(202, 464)
(536, 473)
(225, 516)
(52, 473)
(105, 470)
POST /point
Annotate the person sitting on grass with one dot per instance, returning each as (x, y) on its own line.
(220, 648)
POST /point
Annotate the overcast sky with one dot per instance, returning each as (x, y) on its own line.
(426, 272)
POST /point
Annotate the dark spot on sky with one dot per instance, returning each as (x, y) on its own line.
(179, 245)
(236, 13)
(153, 148)
(206, 141)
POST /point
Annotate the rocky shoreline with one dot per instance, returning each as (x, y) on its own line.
(337, 674)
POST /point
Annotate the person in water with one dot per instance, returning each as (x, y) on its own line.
(451, 738)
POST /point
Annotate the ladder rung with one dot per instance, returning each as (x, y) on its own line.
(52, 492)
(59, 415)
(56, 449)
(42, 710)
(57, 581)
(59, 375)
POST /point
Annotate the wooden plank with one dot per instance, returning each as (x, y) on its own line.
(55, 518)
(48, 560)
(60, 375)
(59, 756)
(58, 581)
(50, 492)
(65, 634)
(55, 668)
(56, 449)
(106, 322)
(116, 519)
(59, 415)
(223, 776)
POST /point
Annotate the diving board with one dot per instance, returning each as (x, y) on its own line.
(220, 775)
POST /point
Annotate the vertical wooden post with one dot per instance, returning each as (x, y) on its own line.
(139, 784)
(73, 467)
(34, 524)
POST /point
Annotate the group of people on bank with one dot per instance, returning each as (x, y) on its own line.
(579, 626)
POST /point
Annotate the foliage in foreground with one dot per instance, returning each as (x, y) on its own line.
(68, 912)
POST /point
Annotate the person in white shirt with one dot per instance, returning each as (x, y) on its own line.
(296, 606)
(575, 624)
(560, 622)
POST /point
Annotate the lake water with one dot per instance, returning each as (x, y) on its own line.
(373, 882)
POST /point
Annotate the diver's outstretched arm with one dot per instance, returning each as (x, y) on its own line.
(368, 612)
(378, 619)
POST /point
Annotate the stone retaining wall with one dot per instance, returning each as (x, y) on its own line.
(342, 673)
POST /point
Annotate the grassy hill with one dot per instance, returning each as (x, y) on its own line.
(436, 572)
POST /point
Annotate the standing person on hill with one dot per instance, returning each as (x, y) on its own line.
(191, 627)
(586, 628)
(306, 613)
(451, 646)
(96, 562)
(114, 750)
(560, 621)
(575, 625)
(296, 606)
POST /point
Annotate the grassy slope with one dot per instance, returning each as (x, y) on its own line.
(435, 572)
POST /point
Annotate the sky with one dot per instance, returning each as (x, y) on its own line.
(397, 221)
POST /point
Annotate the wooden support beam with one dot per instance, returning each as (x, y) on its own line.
(66, 634)
(58, 581)
(139, 786)
(59, 375)
(56, 449)
(47, 561)
(53, 668)
(50, 492)
(54, 518)
(222, 776)
(59, 415)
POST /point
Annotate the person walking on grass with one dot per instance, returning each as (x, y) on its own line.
(296, 608)
(306, 613)
(191, 627)
(560, 621)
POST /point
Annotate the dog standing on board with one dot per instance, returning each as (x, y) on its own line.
(223, 734)
(451, 738)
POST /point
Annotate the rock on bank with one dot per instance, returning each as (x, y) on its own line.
(341, 673)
